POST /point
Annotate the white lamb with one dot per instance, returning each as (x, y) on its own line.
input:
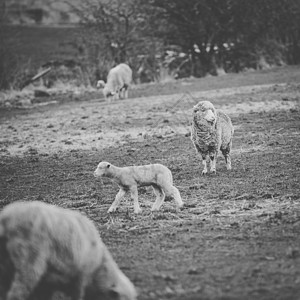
(45, 249)
(212, 131)
(129, 178)
(118, 82)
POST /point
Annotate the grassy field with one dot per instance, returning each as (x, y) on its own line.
(238, 235)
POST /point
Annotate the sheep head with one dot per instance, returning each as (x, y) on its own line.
(103, 169)
(100, 84)
(108, 93)
(205, 112)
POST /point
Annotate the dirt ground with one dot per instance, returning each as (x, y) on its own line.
(238, 234)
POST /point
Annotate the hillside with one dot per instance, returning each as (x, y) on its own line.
(43, 12)
(46, 12)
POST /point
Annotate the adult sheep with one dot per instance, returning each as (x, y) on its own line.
(212, 131)
(118, 82)
(45, 248)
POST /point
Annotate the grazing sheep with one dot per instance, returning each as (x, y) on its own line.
(212, 131)
(118, 81)
(45, 249)
(129, 178)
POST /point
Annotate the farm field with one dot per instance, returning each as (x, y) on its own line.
(238, 234)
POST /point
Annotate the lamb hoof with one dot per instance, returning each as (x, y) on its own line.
(138, 211)
(154, 209)
(112, 210)
(204, 173)
(181, 207)
(214, 172)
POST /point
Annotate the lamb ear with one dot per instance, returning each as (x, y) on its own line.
(108, 166)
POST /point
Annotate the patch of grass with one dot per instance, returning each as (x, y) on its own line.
(237, 237)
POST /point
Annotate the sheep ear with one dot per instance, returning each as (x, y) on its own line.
(108, 166)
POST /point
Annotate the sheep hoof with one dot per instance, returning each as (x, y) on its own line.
(204, 173)
(181, 207)
(138, 211)
(154, 209)
(112, 210)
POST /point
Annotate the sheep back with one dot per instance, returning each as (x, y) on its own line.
(64, 235)
(60, 245)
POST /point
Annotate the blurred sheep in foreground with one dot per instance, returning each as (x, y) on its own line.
(45, 249)
(118, 82)
(212, 131)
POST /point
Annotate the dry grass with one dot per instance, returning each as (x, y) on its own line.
(238, 235)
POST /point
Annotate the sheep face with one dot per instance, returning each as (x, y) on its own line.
(205, 111)
(100, 84)
(103, 169)
(108, 94)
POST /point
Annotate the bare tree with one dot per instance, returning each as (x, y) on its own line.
(113, 32)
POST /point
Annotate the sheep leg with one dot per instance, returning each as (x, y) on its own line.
(125, 93)
(79, 291)
(204, 172)
(117, 201)
(160, 197)
(125, 89)
(30, 267)
(213, 160)
(117, 95)
(226, 154)
(122, 93)
(135, 198)
(227, 160)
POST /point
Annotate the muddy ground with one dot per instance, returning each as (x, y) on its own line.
(238, 235)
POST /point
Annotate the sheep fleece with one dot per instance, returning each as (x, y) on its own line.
(52, 245)
(118, 78)
(129, 178)
(208, 138)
